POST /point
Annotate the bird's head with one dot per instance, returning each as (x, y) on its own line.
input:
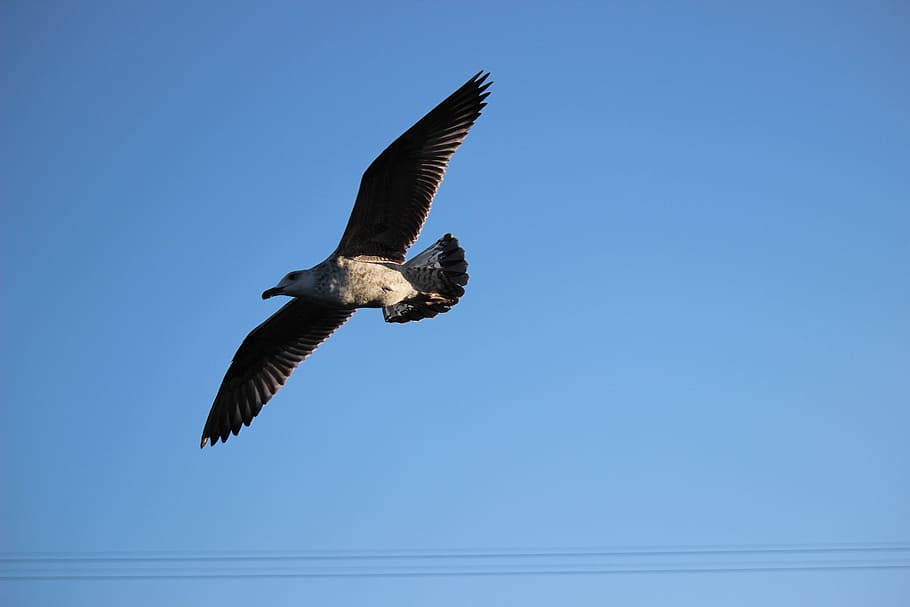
(294, 283)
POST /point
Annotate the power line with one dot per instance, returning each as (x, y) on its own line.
(553, 561)
(446, 553)
(88, 576)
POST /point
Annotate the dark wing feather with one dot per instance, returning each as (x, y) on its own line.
(397, 189)
(265, 360)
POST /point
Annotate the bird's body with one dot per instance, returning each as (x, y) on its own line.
(351, 283)
(367, 270)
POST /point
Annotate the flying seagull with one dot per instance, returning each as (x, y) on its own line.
(367, 270)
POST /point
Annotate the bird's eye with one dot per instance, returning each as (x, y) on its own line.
(293, 275)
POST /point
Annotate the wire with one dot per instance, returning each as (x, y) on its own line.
(152, 565)
(450, 553)
(454, 573)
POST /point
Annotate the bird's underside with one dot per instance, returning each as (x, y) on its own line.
(368, 268)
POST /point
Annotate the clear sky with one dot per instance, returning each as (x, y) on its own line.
(687, 323)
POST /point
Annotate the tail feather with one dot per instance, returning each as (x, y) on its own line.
(440, 272)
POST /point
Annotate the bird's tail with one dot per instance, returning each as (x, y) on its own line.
(440, 272)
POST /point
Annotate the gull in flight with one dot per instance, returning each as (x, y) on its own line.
(367, 270)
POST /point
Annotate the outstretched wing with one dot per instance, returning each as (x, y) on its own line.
(397, 189)
(265, 360)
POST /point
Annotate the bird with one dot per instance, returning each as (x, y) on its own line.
(368, 269)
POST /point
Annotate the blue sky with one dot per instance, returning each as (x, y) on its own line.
(686, 324)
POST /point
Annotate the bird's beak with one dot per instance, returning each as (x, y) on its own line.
(272, 292)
